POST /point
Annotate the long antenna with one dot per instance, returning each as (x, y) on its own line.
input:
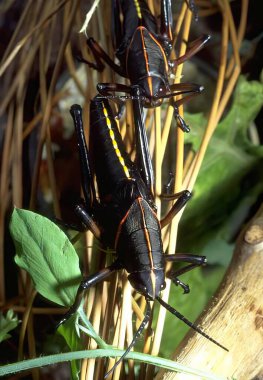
(136, 336)
(187, 322)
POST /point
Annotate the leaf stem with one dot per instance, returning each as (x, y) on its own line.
(100, 353)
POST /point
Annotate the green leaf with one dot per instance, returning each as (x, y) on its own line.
(89, 329)
(231, 168)
(248, 99)
(74, 342)
(7, 323)
(45, 252)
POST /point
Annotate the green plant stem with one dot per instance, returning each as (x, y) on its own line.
(92, 354)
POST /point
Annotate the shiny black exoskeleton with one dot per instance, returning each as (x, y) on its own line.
(123, 217)
(143, 49)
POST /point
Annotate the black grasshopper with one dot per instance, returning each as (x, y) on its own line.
(123, 216)
(143, 50)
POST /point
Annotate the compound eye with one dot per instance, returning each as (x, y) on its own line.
(142, 289)
(161, 92)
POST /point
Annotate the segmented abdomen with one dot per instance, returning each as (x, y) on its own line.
(138, 240)
(145, 56)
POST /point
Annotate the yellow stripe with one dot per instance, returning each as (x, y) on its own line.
(114, 143)
(126, 171)
(138, 9)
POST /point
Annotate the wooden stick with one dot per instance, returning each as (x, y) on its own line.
(234, 318)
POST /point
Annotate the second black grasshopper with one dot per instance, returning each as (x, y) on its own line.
(143, 47)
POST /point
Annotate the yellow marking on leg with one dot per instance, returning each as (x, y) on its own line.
(114, 143)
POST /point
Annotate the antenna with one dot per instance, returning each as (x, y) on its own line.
(187, 322)
(136, 336)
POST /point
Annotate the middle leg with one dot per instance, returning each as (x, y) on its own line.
(182, 198)
(85, 284)
(193, 261)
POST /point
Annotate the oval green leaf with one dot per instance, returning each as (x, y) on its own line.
(46, 253)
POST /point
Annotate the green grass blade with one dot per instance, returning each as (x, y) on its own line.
(93, 354)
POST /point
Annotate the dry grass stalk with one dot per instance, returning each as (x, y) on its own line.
(31, 43)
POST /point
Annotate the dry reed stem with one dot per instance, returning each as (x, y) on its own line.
(170, 111)
(129, 337)
(7, 154)
(72, 70)
(208, 12)
(138, 311)
(48, 143)
(159, 155)
(214, 118)
(125, 319)
(112, 289)
(20, 25)
(180, 138)
(117, 327)
(211, 124)
(52, 175)
(240, 36)
(32, 345)
(38, 117)
(178, 181)
(217, 106)
(88, 16)
(47, 111)
(17, 153)
(203, 3)
(96, 321)
(13, 153)
(24, 40)
(158, 161)
(25, 323)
